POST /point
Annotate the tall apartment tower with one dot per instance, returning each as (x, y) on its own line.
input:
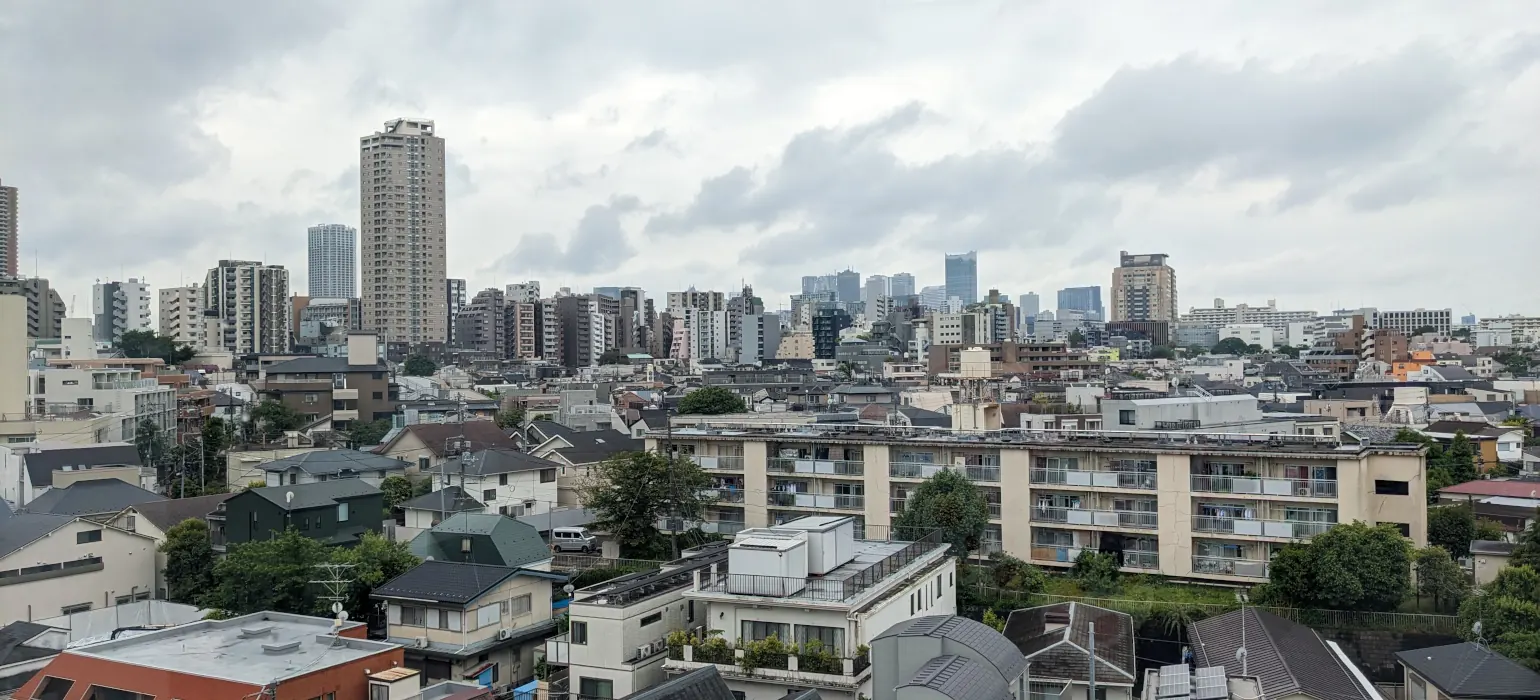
(402, 236)
(246, 307)
(119, 307)
(481, 325)
(523, 292)
(454, 290)
(181, 314)
(333, 262)
(1143, 288)
(9, 251)
(962, 276)
(45, 308)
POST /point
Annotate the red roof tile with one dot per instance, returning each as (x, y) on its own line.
(1492, 487)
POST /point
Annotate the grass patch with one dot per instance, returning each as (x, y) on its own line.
(1148, 588)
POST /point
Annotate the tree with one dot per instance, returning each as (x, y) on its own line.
(151, 344)
(631, 491)
(1349, 567)
(1460, 459)
(1527, 552)
(1490, 531)
(1423, 330)
(1013, 574)
(1195, 350)
(1162, 352)
(1076, 339)
(614, 357)
(1253, 349)
(397, 489)
(189, 560)
(270, 419)
(419, 366)
(375, 560)
(1290, 351)
(711, 401)
(951, 503)
(1460, 333)
(268, 575)
(1440, 578)
(1517, 362)
(1452, 528)
(993, 620)
(1230, 346)
(511, 417)
(361, 434)
(154, 449)
(1508, 609)
(217, 435)
(1097, 572)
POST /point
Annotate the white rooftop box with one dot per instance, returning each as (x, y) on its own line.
(831, 541)
(767, 562)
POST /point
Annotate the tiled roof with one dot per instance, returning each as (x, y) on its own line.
(482, 434)
(598, 445)
(1468, 670)
(512, 543)
(91, 497)
(958, 677)
(314, 495)
(1286, 657)
(335, 462)
(704, 683)
(499, 461)
(451, 499)
(42, 465)
(453, 582)
(22, 529)
(1059, 653)
(166, 514)
(1515, 488)
(988, 645)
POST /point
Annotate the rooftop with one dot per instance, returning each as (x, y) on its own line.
(321, 365)
(450, 499)
(242, 650)
(91, 497)
(495, 539)
(873, 562)
(676, 575)
(1054, 639)
(41, 465)
(1471, 670)
(1492, 547)
(317, 494)
(453, 582)
(1513, 488)
(481, 434)
(499, 461)
(1286, 657)
(335, 462)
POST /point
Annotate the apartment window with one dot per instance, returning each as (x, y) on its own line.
(832, 638)
(521, 605)
(412, 616)
(72, 609)
(502, 479)
(129, 524)
(342, 513)
(489, 495)
(597, 688)
(57, 688)
(690, 612)
(311, 398)
(547, 476)
(1403, 528)
(754, 631)
(1125, 417)
(578, 632)
(652, 619)
(88, 536)
(1389, 487)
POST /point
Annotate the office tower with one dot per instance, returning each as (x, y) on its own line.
(1028, 304)
(760, 338)
(588, 326)
(901, 285)
(180, 312)
(827, 324)
(45, 308)
(705, 301)
(962, 276)
(847, 287)
(1086, 300)
(876, 286)
(814, 284)
(9, 225)
(333, 262)
(119, 307)
(401, 188)
(454, 300)
(480, 324)
(246, 307)
(632, 331)
(523, 292)
(1143, 288)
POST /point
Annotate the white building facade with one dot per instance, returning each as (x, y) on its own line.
(333, 262)
(120, 307)
(180, 314)
(246, 307)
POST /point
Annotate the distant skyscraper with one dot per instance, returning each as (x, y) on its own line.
(1084, 299)
(333, 262)
(523, 292)
(962, 276)
(401, 185)
(1143, 288)
(901, 285)
(45, 308)
(813, 284)
(9, 252)
(1028, 303)
(933, 297)
(454, 301)
(120, 307)
(848, 287)
(876, 286)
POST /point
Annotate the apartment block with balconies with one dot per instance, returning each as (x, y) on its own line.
(1211, 507)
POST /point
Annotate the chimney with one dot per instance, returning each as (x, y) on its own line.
(363, 350)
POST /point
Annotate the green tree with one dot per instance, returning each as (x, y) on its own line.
(268, 575)
(189, 560)
(1527, 551)
(1508, 609)
(1349, 567)
(993, 620)
(1076, 339)
(1230, 346)
(218, 435)
(1460, 459)
(1421, 330)
(1096, 572)
(154, 449)
(1452, 527)
(419, 366)
(1253, 349)
(1162, 352)
(1013, 574)
(631, 491)
(1440, 578)
(1490, 530)
(151, 344)
(269, 419)
(1290, 351)
(951, 503)
(711, 401)
(1460, 333)
(397, 490)
(1519, 363)
(614, 357)
(1195, 350)
(362, 434)
(374, 561)
(510, 417)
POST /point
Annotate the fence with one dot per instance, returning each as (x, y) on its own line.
(580, 562)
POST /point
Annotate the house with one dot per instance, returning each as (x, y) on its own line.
(1056, 641)
(326, 465)
(1465, 671)
(335, 512)
(26, 647)
(1489, 557)
(29, 471)
(232, 409)
(56, 565)
(1290, 660)
(270, 654)
(154, 519)
(428, 445)
(577, 452)
(470, 621)
(91, 498)
(704, 683)
(481, 538)
(945, 657)
(345, 389)
(862, 394)
(1492, 443)
(507, 481)
(429, 509)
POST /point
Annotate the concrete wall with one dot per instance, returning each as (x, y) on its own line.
(128, 567)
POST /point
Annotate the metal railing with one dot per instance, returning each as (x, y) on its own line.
(125, 384)
(725, 462)
(724, 495)
(1265, 486)
(1227, 566)
(789, 499)
(793, 662)
(816, 467)
(896, 505)
(1057, 553)
(825, 589)
(926, 470)
(1254, 527)
(1134, 559)
(989, 473)
(1094, 479)
(994, 510)
(1145, 520)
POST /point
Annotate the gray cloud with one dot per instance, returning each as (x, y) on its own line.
(563, 177)
(655, 139)
(598, 244)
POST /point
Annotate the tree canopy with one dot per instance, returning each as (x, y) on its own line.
(419, 366)
(1076, 339)
(189, 560)
(268, 575)
(152, 344)
(1097, 572)
(1439, 577)
(950, 502)
(269, 419)
(364, 434)
(375, 560)
(397, 489)
(1527, 552)
(1509, 612)
(631, 491)
(1162, 352)
(1452, 527)
(510, 417)
(1349, 567)
(1230, 346)
(614, 357)
(711, 401)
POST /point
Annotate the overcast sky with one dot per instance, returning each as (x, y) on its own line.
(1332, 153)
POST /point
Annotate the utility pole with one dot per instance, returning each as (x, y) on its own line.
(673, 486)
(1091, 628)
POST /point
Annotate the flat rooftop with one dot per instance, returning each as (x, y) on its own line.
(876, 562)
(254, 649)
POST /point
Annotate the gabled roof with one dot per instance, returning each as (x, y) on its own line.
(592, 446)
(854, 389)
(91, 497)
(220, 398)
(335, 462)
(988, 645)
(1054, 638)
(704, 683)
(42, 465)
(499, 461)
(481, 434)
(1493, 547)
(507, 541)
(542, 430)
(1286, 657)
(451, 499)
(920, 417)
(13, 643)
(314, 495)
(959, 678)
(453, 582)
(166, 514)
(1468, 670)
(1513, 488)
(1470, 428)
(22, 529)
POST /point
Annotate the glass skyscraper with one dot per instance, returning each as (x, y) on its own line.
(1085, 299)
(962, 276)
(333, 262)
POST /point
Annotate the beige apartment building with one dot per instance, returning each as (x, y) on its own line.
(402, 236)
(1204, 507)
(1144, 288)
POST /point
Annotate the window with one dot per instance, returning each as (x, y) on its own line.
(754, 631)
(652, 619)
(599, 688)
(72, 609)
(88, 536)
(1388, 487)
(1125, 417)
(311, 398)
(378, 395)
(342, 512)
(424, 464)
(690, 615)
(489, 495)
(578, 632)
(521, 605)
(412, 616)
(1404, 528)
(57, 688)
(129, 523)
(502, 479)
(832, 638)
(379, 691)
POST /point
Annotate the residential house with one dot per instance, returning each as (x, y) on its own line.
(243, 463)
(1488, 557)
(428, 445)
(57, 564)
(506, 481)
(945, 657)
(154, 519)
(328, 465)
(1492, 444)
(28, 471)
(1511, 503)
(704, 683)
(576, 453)
(26, 647)
(1465, 671)
(919, 418)
(430, 509)
(231, 409)
(480, 538)
(1288, 659)
(85, 499)
(346, 389)
(335, 512)
(1056, 641)
(460, 620)
(863, 394)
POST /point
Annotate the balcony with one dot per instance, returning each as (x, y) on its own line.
(724, 495)
(925, 470)
(1253, 527)
(719, 462)
(816, 467)
(817, 669)
(788, 499)
(558, 649)
(1096, 518)
(1057, 554)
(1093, 479)
(108, 385)
(1265, 486)
(1149, 561)
(1226, 566)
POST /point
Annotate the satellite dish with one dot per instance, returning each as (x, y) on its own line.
(336, 607)
(568, 589)
(343, 616)
(288, 497)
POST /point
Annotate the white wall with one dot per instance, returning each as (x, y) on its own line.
(521, 487)
(128, 566)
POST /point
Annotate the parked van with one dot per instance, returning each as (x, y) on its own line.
(573, 539)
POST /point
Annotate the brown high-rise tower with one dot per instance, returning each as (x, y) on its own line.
(402, 234)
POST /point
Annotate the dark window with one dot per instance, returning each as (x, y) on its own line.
(378, 395)
(1387, 487)
(53, 688)
(489, 495)
(502, 479)
(596, 688)
(1403, 528)
(652, 619)
(690, 616)
(547, 476)
(579, 632)
(1125, 417)
(88, 536)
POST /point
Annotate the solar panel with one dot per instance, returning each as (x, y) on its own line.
(1175, 682)
(1209, 684)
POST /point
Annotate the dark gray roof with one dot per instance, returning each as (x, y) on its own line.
(335, 462)
(863, 389)
(167, 513)
(1060, 652)
(1470, 670)
(989, 646)
(315, 495)
(453, 582)
(42, 465)
(23, 529)
(960, 678)
(451, 499)
(13, 640)
(500, 461)
(920, 417)
(320, 365)
(598, 445)
(91, 498)
(704, 683)
(220, 398)
(542, 430)
(1450, 373)
(1285, 656)
(511, 543)
(1492, 547)
(481, 434)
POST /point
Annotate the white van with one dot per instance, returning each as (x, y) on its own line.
(573, 539)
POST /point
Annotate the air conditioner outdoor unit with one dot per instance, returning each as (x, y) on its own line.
(644, 651)
(420, 642)
(504, 634)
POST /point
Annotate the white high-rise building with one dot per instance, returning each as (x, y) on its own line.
(246, 307)
(523, 292)
(181, 314)
(402, 238)
(333, 262)
(120, 307)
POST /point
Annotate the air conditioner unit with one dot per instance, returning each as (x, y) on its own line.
(420, 642)
(1302, 490)
(504, 634)
(644, 651)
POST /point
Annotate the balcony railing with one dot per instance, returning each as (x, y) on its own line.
(925, 470)
(989, 473)
(1107, 518)
(988, 547)
(1094, 479)
(1058, 553)
(724, 462)
(1133, 559)
(823, 588)
(788, 666)
(831, 467)
(1252, 527)
(1227, 566)
(896, 505)
(789, 499)
(1265, 486)
(724, 495)
(994, 510)
(125, 384)
(558, 649)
